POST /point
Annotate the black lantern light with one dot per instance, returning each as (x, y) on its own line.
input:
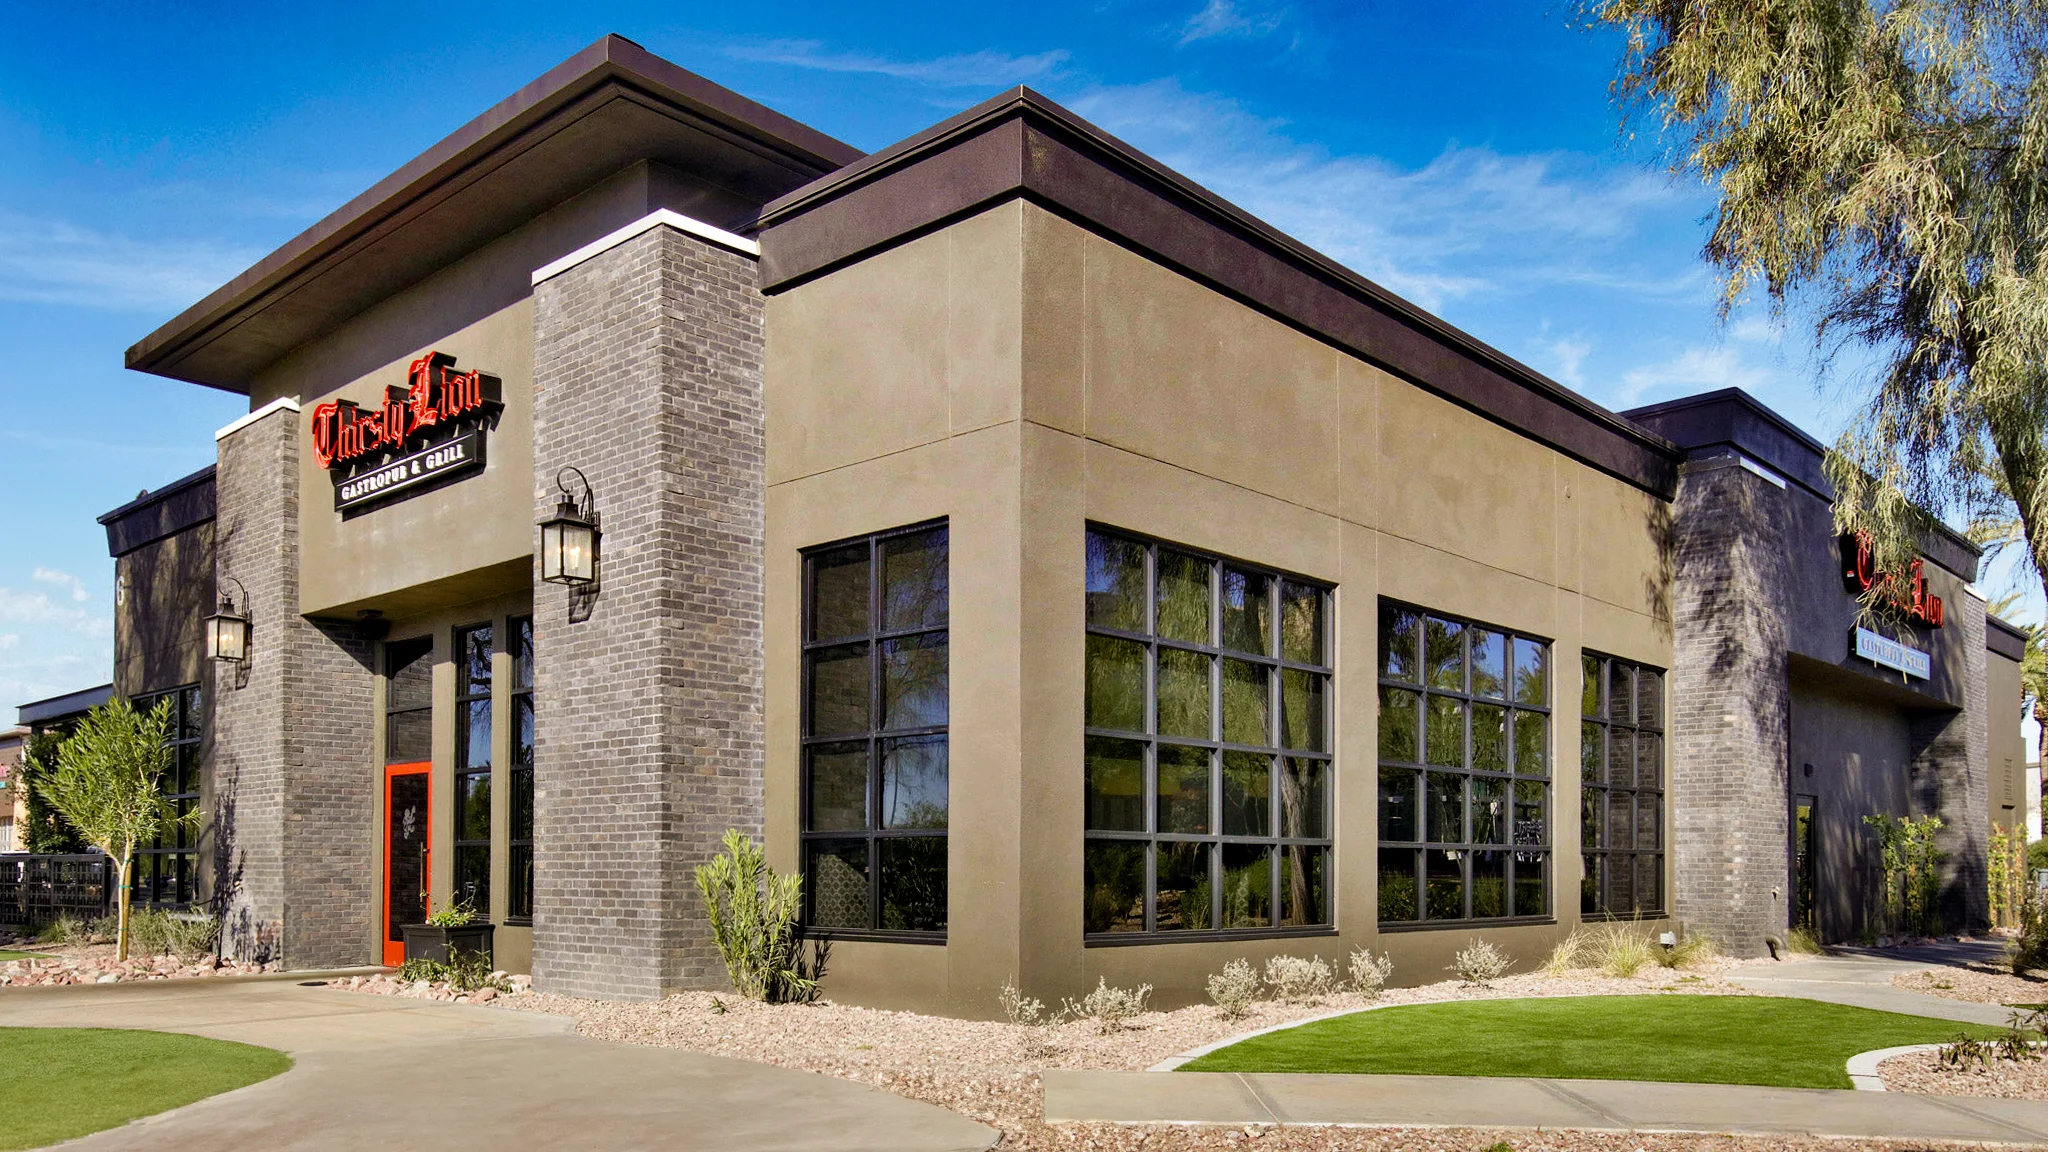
(568, 539)
(227, 630)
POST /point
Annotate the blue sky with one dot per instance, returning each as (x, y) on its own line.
(1463, 154)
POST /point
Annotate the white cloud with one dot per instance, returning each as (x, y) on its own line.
(9, 640)
(982, 69)
(1565, 359)
(1693, 370)
(1226, 18)
(37, 608)
(49, 261)
(1472, 220)
(63, 580)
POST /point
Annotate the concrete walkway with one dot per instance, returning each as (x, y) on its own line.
(383, 1072)
(1861, 980)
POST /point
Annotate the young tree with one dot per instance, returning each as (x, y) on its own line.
(1883, 163)
(108, 785)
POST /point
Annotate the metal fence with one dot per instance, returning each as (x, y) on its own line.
(37, 889)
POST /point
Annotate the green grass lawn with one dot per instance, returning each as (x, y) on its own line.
(7, 954)
(61, 1083)
(1699, 1039)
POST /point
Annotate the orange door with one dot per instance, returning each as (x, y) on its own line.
(407, 854)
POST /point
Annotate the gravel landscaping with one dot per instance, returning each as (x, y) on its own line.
(1923, 1072)
(95, 964)
(1978, 983)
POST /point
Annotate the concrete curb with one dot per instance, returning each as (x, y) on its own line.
(191, 981)
(1863, 1065)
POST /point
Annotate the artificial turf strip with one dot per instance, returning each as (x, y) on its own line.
(61, 1083)
(1767, 1040)
(7, 954)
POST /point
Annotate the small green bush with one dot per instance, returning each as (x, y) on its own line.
(467, 972)
(155, 932)
(1109, 1007)
(79, 930)
(1801, 941)
(1693, 951)
(753, 914)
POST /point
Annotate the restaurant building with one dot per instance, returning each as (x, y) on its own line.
(1069, 574)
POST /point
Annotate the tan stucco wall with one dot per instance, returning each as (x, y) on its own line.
(1024, 377)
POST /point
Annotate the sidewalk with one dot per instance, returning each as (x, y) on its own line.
(1862, 980)
(1482, 1102)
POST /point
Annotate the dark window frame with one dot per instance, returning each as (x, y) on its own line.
(1467, 848)
(182, 787)
(1275, 751)
(519, 848)
(466, 695)
(873, 735)
(1596, 852)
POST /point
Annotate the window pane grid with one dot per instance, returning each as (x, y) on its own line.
(472, 879)
(165, 871)
(1464, 772)
(1209, 761)
(1621, 788)
(519, 845)
(874, 773)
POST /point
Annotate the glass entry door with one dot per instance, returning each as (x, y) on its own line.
(407, 856)
(1804, 858)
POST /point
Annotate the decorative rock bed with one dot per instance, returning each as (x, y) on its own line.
(59, 969)
(385, 984)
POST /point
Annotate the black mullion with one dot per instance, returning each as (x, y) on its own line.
(874, 767)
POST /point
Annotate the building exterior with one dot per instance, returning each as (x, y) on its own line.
(1069, 574)
(13, 806)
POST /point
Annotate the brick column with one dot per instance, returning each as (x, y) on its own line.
(647, 377)
(292, 779)
(1951, 777)
(1731, 706)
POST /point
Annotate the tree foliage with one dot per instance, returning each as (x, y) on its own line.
(45, 831)
(1884, 167)
(108, 786)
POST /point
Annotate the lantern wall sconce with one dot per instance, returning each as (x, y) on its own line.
(227, 630)
(569, 543)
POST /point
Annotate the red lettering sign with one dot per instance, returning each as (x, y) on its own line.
(434, 395)
(1909, 597)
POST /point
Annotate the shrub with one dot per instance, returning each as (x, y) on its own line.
(1296, 979)
(1912, 872)
(1235, 988)
(1571, 953)
(1692, 951)
(1369, 972)
(753, 921)
(2029, 950)
(1109, 1007)
(1965, 1050)
(467, 972)
(1622, 951)
(458, 914)
(156, 932)
(1481, 963)
(1022, 1010)
(1802, 941)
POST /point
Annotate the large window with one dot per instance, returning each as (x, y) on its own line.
(473, 768)
(1621, 787)
(1464, 770)
(1208, 768)
(519, 901)
(875, 710)
(166, 873)
(409, 701)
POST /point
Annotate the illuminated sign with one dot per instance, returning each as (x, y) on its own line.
(1909, 597)
(1885, 652)
(431, 430)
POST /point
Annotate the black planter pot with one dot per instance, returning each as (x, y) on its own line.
(430, 942)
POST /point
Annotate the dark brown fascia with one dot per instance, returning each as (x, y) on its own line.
(1731, 418)
(2007, 640)
(171, 509)
(1020, 144)
(509, 127)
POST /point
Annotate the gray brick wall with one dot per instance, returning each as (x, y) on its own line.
(648, 744)
(291, 778)
(1951, 777)
(1731, 703)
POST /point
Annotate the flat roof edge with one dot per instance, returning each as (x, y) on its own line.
(984, 169)
(69, 704)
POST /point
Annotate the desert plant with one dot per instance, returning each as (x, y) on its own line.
(2029, 950)
(1296, 979)
(156, 932)
(2023, 1028)
(1622, 951)
(1912, 871)
(1692, 951)
(1481, 963)
(1571, 953)
(466, 972)
(1369, 973)
(63, 930)
(2005, 876)
(1964, 1050)
(1109, 1007)
(458, 914)
(1802, 940)
(1022, 1010)
(107, 786)
(1235, 988)
(753, 915)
